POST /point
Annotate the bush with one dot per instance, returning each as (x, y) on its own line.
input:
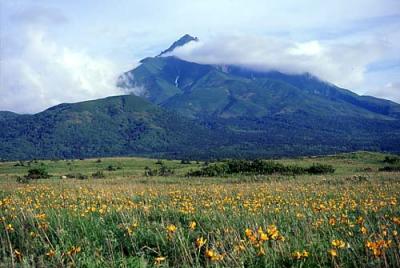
(257, 167)
(148, 172)
(78, 176)
(19, 164)
(165, 171)
(111, 168)
(23, 179)
(320, 169)
(390, 168)
(98, 174)
(391, 159)
(185, 162)
(37, 173)
(162, 171)
(34, 174)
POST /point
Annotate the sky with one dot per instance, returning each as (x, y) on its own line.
(53, 52)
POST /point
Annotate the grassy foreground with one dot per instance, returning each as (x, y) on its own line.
(347, 219)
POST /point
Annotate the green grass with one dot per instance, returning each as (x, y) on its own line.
(123, 219)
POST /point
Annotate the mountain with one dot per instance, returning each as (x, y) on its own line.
(5, 115)
(191, 110)
(180, 42)
(196, 90)
(272, 110)
(121, 125)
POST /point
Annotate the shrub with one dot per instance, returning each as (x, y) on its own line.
(111, 168)
(162, 171)
(391, 159)
(320, 169)
(185, 162)
(23, 179)
(37, 173)
(165, 171)
(390, 168)
(257, 167)
(98, 174)
(34, 174)
(148, 172)
(78, 176)
(19, 164)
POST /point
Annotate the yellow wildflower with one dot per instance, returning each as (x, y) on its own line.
(160, 259)
(298, 255)
(332, 252)
(9, 227)
(171, 228)
(18, 254)
(192, 225)
(200, 241)
(51, 253)
(338, 243)
(364, 230)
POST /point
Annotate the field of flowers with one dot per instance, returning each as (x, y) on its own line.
(309, 221)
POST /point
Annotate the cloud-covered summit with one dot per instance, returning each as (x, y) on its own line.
(340, 63)
(66, 51)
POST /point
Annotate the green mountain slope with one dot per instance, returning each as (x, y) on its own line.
(121, 125)
(5, 115)
(198, 90)
(270, 109)
(186, 109)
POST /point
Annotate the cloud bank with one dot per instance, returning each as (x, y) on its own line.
(43, 73)
(339, 63)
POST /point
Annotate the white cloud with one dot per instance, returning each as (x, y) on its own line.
(44, 73)
(339, 63)
(78, 53)
(128, 83)
(389, 91)
(312, 48)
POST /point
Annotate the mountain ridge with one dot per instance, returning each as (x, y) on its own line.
(201, 111)
(178, 43)
(117, 125)
(164, 72)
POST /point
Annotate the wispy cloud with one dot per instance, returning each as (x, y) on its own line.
(39, 15)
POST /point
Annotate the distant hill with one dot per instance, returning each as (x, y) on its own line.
(5, 115)
(186, 109)
(122, 125)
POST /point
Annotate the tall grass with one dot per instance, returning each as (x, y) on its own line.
(300, 223)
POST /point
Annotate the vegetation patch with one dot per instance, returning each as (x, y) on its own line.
(392, 159)
(390, 168)
(78, 176)
(163, 170)
(258, 167)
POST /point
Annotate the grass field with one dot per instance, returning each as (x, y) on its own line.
(350, 218)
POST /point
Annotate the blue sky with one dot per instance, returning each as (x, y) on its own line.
(67, 51)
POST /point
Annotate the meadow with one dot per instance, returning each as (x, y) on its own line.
(349, 218)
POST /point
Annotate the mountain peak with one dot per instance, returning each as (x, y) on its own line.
(180, 42)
